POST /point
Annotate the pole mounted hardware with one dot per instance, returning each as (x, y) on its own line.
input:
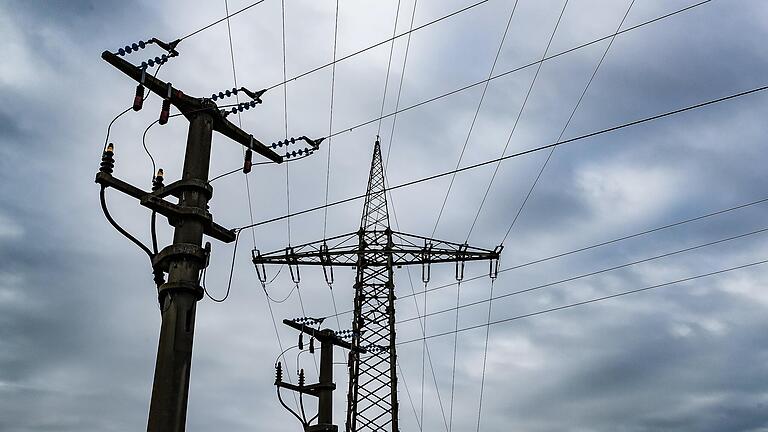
(191, 107)
(323, 389)
(169, 48)
(186, 257)
(375, 250)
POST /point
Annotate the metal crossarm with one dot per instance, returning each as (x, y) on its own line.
(375, 250)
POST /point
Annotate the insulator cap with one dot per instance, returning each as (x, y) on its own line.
(301, 341)
(138, 99)
(248, 162)
(165, 112)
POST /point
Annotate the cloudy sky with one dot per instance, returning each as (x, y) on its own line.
(78, 310)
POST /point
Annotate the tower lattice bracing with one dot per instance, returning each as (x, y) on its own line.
(374, 250)
(372, 398)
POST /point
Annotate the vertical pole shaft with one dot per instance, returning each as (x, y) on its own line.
(325, 400)
(179, 296)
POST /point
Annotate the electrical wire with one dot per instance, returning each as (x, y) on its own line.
(593, 300)
(119, 228)
(567, 123)
(231, 272)
(328, 161)
(226, 18)
(408, 392)
(400, 86)
(595, 245)
(519, 68)
(330, 119)
(594, 273)
(485, 358)
(422, 325)
(526, 152)
(378, 44)
(474, 118)
(109, 127)
(455, 348)
(146, 149)
(389, 66)
(514, 127)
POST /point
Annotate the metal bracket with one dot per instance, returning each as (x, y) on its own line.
(169, 210)
(188, 250)
(261, 271)
(169, 287)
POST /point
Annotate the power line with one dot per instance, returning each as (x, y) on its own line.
(594, 273)
(567, 123)
(400, 86)
(519, 68)
(226, 18)
(594, 300)
(524, 152)
(500, 75)
(596, 245)
(514, 128)
(389, 66)
(474, 118)
(378, 44)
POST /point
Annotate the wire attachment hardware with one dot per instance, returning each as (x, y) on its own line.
(293, 266)
(494, 263)
(327, 264)
(425, 264)
(170, 49)
(261, 271)
(460, 252)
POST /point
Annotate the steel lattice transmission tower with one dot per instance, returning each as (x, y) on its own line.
(372, 396)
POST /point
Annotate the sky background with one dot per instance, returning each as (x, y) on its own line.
(78, 310)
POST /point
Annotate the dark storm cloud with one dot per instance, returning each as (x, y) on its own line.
(78, 315)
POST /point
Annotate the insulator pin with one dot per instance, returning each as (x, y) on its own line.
(108, 159)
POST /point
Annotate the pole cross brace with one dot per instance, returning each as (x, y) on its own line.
(169, 210)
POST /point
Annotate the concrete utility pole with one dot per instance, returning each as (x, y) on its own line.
(185, 258)
(323, 390)
(372, 396)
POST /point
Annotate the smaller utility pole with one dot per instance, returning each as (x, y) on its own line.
(323, 390)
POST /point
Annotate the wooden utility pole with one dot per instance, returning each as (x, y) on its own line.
(185, 258)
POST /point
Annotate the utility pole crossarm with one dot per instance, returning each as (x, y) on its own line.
(405, 249)
(189, 106)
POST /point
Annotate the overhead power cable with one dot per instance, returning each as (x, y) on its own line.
(523, 153)
(512, 132)
(517, 69)
(567, 123)
(592, 246)
(594, 300)
(378, 44)
(592, 273)
(477, 113)
(226, 18)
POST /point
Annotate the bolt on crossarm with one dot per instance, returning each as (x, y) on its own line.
(185, 258)
(374, 250)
